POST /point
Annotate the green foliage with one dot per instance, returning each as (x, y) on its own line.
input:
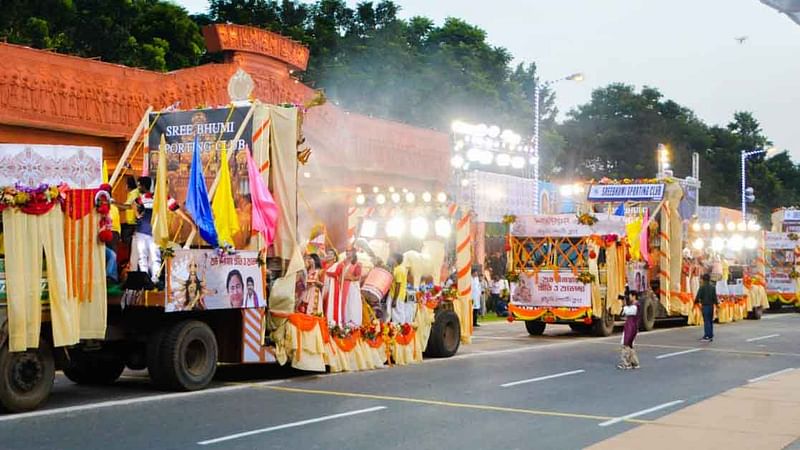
(151, 34)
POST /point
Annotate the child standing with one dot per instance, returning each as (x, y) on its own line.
(628, 357)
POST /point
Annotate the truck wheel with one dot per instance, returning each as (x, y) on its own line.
(26, 378)
(648, 317)
(187, 357)
(90, 368)
(605, 326)
(776, 305)
(756, 313)
(535, 327)
(445, 335)
(152, 356)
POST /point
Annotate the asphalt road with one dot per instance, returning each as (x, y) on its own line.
(505, 391)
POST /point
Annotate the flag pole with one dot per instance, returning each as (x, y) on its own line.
(129, 147)
(213, 188)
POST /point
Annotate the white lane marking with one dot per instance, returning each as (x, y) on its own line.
(640, 413)
(762, 337)
(764, 377)
(289, 425)
(546, 377)
(132, 401)
(503, 338)
(669, 355)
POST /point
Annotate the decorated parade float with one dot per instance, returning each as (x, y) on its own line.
(628, 236)
(782, 246)
(211, 269)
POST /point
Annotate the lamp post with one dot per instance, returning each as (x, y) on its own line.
(534, 160)
(768, 153)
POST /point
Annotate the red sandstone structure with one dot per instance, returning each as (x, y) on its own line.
(49, 98)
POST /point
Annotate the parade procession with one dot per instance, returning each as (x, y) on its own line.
(308, 224)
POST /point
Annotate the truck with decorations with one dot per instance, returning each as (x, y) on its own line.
(209, 269)
(782, 248)
(629, 235)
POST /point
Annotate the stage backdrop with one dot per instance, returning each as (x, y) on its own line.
(32, 165)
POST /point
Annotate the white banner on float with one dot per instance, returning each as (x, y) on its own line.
(567, 292)
(625, 192)
(32, 165)
(492, 196)
(566, 225)
(779, 281)
(791, 215)
(778, 241)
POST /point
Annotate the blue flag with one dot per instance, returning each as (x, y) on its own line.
(197, 200)
(620, 211)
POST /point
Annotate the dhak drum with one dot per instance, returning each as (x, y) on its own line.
(376, 285)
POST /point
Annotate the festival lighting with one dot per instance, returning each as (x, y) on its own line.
(442, 227)
(493, 131)
(518, 162)
(380, 199)
(486, 157)
(391, 188)
(474, 154)
(503, 160)
(719, 227)
(410, 197)
(457, 161)
(736, 242)
(441, 197)
(375, 190)
(419, 227)
(360, 199)
(750, 243)
(717, 244)
(395, 227)
(358, 190)
(465, 182)
(695, 226)
(427, 197)
(741, 226)
(731, 226)
(369, 228)
(698, 244)
(395, 197)
(706, 226)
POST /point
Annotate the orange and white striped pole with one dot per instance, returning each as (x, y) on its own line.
(464, 276)
(664, 259)
(252, 337)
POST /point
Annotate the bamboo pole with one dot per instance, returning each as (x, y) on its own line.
(213, 188)
(129, 147)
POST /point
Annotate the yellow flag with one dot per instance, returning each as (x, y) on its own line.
(225, 217)
(105, 172)
(160, 220)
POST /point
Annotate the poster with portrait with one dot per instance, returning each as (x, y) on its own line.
(204, 279)
(636, 277)
(545, 291)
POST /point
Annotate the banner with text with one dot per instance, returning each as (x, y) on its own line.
(779, 281)
(626, 192)
(778, 241)
(545, 291)
(212, 127)
(566, 225)
(202, 279)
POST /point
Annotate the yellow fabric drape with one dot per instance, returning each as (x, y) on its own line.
(89, 292)
(633, 230)
(114, 211)
(26, 236)
(615, 275)
(283, 175)
(160, 218)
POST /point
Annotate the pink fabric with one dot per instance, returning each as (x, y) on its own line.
(265, 211)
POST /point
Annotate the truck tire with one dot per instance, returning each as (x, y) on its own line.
(152, 356)
(756, 313)
(535, 327)
(88, 368)
(605, 325)
(775, 306)
(26, 378)
(187, 356)
(648, 318)
(445, 335)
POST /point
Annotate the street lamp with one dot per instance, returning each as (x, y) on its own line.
(536, 119)
(768, 153)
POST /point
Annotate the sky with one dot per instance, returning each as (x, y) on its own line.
(685, 48)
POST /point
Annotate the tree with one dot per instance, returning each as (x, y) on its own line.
(152, 34)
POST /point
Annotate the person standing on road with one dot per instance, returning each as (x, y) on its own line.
(628, 357)
(707, 298)
(477, 293)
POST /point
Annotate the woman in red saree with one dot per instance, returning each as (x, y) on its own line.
(344, 294)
